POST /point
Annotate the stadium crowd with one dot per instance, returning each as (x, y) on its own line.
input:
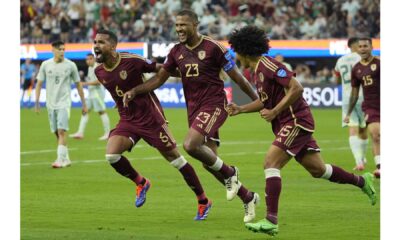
(43, 21)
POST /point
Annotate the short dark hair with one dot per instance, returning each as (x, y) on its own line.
(187, 12)
(57, 44)
(365, 39)
(90, 54)
(113, 37)
(351, 41)
(249, 41)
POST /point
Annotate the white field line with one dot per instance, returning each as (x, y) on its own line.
(143, 145)
(160, 158)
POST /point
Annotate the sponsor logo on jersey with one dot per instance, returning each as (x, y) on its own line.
(123, 74)
(373, 67)
(281, 73)
(279, 139)
(148, 61)
(202, 54)
(261, 76)
(180, 57)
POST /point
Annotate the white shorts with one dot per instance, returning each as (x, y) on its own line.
(356, 118)
(95, 104)
(58, 119)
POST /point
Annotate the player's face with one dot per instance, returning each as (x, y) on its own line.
(364, 49)
(90, 60)
(185, 28)
(243, 60)
(59, 52)
(102, 47)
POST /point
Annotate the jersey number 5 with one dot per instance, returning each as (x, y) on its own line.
(192, 70)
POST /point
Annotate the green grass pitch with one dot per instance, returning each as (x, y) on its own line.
(89, 200)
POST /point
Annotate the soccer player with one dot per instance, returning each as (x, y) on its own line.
(94, 101)
(200, 59)
(141, 118)
(367, 73)
(59, 72)
(358, 138)
(28, 72)
(281, 103)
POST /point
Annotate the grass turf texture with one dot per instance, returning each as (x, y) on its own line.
(91, 201)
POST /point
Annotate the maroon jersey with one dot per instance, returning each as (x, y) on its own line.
(271, 79)
(368, 75)
(200, 67)
(127, 74)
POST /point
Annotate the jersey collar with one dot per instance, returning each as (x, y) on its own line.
(195, 46)
(115, 66)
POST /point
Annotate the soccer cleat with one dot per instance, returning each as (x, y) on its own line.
(104, 137)
(263, 226)
(76, 135)
(202, 211)
(250, 208)
(377, 173)
(141, 191)
(66, 163)
(359, 167)
(368, 187)
(232, 184)
(57, 164)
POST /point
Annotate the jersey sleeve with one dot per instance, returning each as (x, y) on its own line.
(355, 82)
(282, 75)
(170, 64)
(74, 73)
(224, 58)
(42, 73)
(148, 66)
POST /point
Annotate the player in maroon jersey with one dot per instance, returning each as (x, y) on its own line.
(367, 73)
(281, 103)
(200, 60)
(142, 118)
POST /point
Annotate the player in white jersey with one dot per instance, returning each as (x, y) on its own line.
(59, 73)
(358, 138)
(94, 101)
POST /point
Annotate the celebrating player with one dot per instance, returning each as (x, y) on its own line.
(200, 60)
(358, 138)
(141, 118)
(59, 72)
(367, 73)
(281, 103)
(94, 101)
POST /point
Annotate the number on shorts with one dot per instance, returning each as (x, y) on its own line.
(285, 131)
(164, 138)
(203, 117)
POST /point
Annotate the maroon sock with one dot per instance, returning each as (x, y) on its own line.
(124, 167)
(226, 171)
(273, 187)
(192, 180)
(341, 176)
(245, 194)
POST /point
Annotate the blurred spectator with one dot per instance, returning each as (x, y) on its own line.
(303, 74)
(324, 76)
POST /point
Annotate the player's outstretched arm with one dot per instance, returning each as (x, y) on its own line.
(82, 96)
(240, 80)
(148, 86)
(352, 103)
(254, 106)
(37, 94)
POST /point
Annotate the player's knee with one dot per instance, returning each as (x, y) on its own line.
(376, 137)
(113, 158)
(189, 147)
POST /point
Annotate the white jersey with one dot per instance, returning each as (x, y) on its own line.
(95, 91)
(58, 78)
(344, 66)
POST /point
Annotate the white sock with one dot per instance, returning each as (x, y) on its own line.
(62, 152)
(217, 165)
(82, 123)
(356, 149)
(363, 148)
(377, 159)
(272, 172)
(179, 162)
(328, 172)
(106, 123)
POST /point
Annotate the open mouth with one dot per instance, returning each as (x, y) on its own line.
(181, 35)
(98, 54)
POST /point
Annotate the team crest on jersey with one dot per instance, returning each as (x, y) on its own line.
(373, 67)
(261, 76)
(202, 55)
(123, 74)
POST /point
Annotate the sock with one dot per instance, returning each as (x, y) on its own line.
(106, 123)
(245, 194)
(273, 186)
(221, 167)
(356, 149)
(363, 148)
(62, 152)
(124, 167)
(190, 177)
(82, 123)
(338, 175)
(377, 159)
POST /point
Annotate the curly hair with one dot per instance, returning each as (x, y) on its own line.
(249, 41)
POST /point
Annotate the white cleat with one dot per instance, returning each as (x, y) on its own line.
(57, 164)
(76, 135)
(66, 163)
(250, 208)
(104, 137)
(232, 185)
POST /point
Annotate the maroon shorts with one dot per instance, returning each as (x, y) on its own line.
(207, 120)
(295, 141)
(156, 135)
(372, 115)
